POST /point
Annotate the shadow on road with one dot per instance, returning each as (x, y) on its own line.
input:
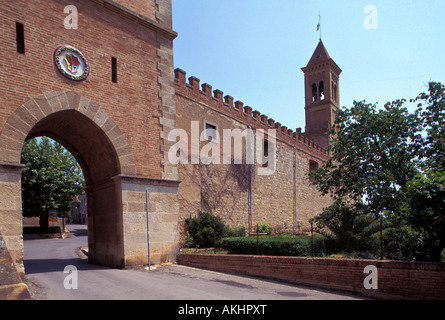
(33, 266)
(41, 256)
(78, 232)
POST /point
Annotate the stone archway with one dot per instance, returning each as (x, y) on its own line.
(101, 149)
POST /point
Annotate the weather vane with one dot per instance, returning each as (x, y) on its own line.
(319, 24)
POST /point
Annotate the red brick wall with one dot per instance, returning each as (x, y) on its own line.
(396, 279)
(142, 7)
(133, 102)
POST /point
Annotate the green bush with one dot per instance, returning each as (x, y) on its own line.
(203, 230)
(264, 227)
(275, 245)
(403, 243)
(234, 232)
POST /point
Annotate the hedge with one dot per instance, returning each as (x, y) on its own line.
(275, 245)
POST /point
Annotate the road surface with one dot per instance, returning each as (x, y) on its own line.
(45, 262)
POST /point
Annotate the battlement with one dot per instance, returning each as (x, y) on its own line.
(245, 114)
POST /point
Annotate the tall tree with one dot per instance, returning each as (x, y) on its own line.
(51, 179)
(372, 156)
(424, 206)
(392, 161)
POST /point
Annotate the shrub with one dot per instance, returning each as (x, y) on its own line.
(234, 232)
(204, 229)
(349, 228)
(403, 243)
(264, 227)
(275, 245)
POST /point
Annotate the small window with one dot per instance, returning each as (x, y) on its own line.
(265, 153)
(313, 165)
(211, 132)
(335, 93)
(314, 92)
(321, 90)
(20, 37)
(113, 69)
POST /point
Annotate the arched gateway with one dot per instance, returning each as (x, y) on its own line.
(116, 197)
(103, 87)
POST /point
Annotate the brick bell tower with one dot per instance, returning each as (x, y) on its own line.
(322, 99)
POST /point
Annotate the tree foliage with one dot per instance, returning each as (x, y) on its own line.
(392, 162)
(349, 228)
(50, 180)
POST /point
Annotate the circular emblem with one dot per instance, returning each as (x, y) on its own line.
(71, 63)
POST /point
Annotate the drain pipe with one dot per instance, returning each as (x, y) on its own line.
(250, 197)
(148, 230)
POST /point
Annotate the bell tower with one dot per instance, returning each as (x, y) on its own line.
(322, 99)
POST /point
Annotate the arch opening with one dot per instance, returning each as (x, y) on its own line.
(100, 164)
(100, 148)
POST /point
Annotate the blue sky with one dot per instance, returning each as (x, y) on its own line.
(254, 50)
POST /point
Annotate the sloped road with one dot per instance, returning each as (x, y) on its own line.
(46, 260)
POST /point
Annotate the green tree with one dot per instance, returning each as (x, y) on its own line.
(372, 156)
(432, 112)
(347, 227)
(424, 198)
(424, 209)
(50, 180)
(391, 161)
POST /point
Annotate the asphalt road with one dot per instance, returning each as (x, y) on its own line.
(46, 260)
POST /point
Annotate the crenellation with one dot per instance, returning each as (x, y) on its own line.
(194, 83)
(283, 129)
(237, 109)
(180, 76)
(228, 100)
(218, 95)
(207, 89)
(263, 118)
(238, 106)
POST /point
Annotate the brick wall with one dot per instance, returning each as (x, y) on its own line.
(105, 29)
(284, 199)
(116, 129)
(396, 279)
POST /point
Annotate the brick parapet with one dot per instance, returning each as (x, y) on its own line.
(395, 279)
(225, 104)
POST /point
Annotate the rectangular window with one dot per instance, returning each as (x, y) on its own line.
(113, 69)
(20, 37)
(265, 153)
(211, 132)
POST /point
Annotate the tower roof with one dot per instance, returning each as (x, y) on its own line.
(320, 54)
